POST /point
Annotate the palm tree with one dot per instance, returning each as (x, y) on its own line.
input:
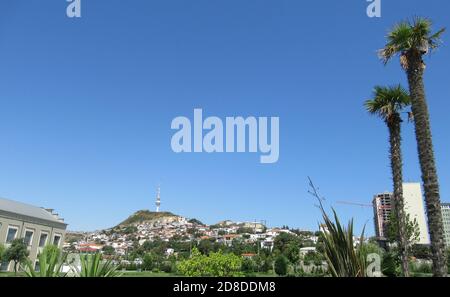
(411, 41)
(387, 103)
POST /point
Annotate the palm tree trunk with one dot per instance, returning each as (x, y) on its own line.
(397, 177)
(427, 163)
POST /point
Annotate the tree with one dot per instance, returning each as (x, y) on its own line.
(390, 266)
(285, 242)
(17, 253)
(205, 246)
(421, 251)
(108, 250)
(214, 264)
(412, 231)
(2, 252)
(411, 40)
(448, 260)
(149, 261)
(387, 103)
(281, 265)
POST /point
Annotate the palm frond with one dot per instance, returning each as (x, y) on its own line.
(410, 35)
(388, 101)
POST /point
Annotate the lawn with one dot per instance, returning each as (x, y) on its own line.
(147, 274)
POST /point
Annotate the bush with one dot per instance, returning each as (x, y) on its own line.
(390, 265)
(214, 264)
(422, 267)
(167, 267)
(448, 260)
(281, 265)
(248, 265)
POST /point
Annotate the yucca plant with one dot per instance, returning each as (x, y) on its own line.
(92, 266)
(50, 263)
(343, 258)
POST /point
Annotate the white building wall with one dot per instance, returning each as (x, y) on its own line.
(414, 206)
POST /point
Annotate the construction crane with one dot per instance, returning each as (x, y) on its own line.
(354, 203)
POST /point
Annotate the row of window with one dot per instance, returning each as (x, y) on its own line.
(28, 238)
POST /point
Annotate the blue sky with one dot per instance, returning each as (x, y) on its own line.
(86, 106)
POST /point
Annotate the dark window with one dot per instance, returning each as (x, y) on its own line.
(11, 234)
(43, 239)
(28, 237)
(56, 240)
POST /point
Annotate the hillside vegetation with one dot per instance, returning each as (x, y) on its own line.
(145, 215)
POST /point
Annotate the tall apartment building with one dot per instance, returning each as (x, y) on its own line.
(445, 208)
(382, 211)
(37, 226)
(414, 206)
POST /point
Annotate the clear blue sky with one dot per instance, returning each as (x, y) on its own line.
(86, 106)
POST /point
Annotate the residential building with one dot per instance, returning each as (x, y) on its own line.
(382, 212)
(445, 208)
(414, 206)
(37, 226)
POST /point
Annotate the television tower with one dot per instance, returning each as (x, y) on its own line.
(158, 199)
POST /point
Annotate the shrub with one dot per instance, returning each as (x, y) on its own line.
(214, 264)
(281, 265)
(390, 265)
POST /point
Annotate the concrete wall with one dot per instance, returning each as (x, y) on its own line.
(51, 229)
(414, 206)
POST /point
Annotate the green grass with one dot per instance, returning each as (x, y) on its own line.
(146, 274)
(11, 274)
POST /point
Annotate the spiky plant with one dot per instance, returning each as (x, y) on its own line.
(50, 263)
(388, 103)
(94, 266)
(345, 258)
(411, 40)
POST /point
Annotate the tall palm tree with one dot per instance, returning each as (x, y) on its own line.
(411, 41)
(387, 103)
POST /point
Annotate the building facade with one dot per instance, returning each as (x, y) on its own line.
(414, 206)
(382, 212)
(37, 226)
(445, 208)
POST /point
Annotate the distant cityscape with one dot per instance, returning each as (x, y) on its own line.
(41, 226)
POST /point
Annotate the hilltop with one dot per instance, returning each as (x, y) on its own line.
(145, 215)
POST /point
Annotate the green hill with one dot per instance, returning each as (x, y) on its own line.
(145, 215)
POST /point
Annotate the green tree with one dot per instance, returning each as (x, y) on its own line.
(149, 261)
(387, 103)
(205, 246)
(421, 251)
(390, 266)
(448, 260)
(281, 265)
(17, 252)
(411, 40)
(249, 265)
(2, 252)
(412, 231)
(214, 264)
(285, 243)
(108, 250)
